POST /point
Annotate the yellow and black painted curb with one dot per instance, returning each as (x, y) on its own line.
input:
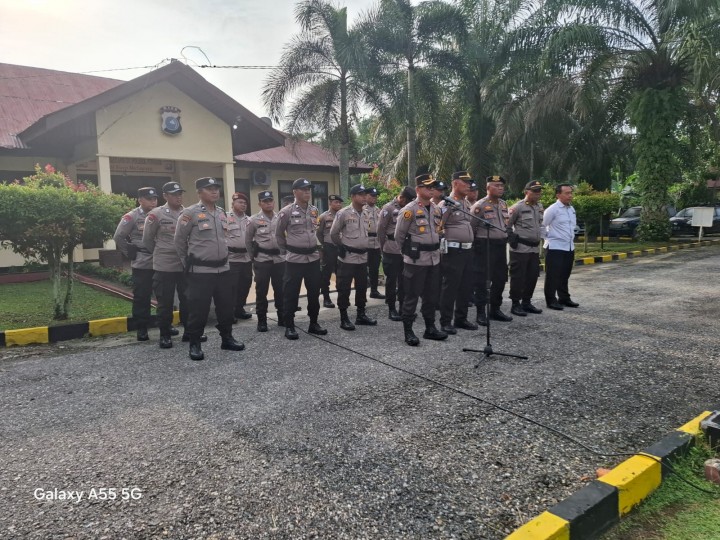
(600, 505)
(642, 252)
(64, 332)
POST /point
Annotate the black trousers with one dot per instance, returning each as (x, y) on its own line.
(420, 282)
(346, 273)
(558, 267)
(201, 288)
(329, 266)
(164, 286)
(265, 272)
(142, 295)
(498, 272)
(524, 273)
(241, 281)
(393, 268)
(457, 284)
(373, 267)
(295, 273)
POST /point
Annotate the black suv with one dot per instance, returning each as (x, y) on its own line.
(627, 223)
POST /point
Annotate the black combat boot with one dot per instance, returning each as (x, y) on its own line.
(363, 319)
(327, 302)
(229, 344)
(497, 315)
(518, 310)
(316, 329)
(242, 314)
(481, 317)
(529, 308)
(393, 315)
(142, 334)
(196, 352)
(410, 337)
(186, 338)
(262, 323)
(345, 323)
(290, 331)
(374, 293)
(465, 324)
(165, 342)
(174, 331)
(431, 331)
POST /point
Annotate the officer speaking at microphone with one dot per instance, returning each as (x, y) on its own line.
(200, 242)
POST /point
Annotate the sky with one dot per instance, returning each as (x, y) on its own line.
(92, 35)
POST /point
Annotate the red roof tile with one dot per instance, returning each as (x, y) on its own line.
(299, 153)
(28, 93)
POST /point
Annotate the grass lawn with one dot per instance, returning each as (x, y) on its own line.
(676, 511)
(26, 305)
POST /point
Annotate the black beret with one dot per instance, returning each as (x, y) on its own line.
(301, 183)
(147, 192)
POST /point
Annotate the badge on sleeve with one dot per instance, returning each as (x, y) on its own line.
(127, 218)
(407, 215)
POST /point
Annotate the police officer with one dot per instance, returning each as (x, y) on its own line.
(472, 197)
(438, 192)
(392, 259)
(456, 259)
(296, 233)
(350, 234)
(526, 220)
(416, 233)
(129, 240)
(268, 263)
(159, 238)
(202, 246)
(329, 253)
(494, 210)
(239, 257)
(372, 213)
(472, 194)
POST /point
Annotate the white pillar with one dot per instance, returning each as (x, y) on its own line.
(228, 183)
(103, 171)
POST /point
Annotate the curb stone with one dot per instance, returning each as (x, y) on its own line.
(598, 506)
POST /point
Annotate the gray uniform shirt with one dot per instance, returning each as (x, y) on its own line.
(388, 220)
(456, 226)
(497, 214)
(324, 226)
(296, 227)
(201, 233)
(261, 229)
(130, 230)
(372, 217)
(349, 229)
(421, 224)
(526, 221)
(159, 237)
(235, 234)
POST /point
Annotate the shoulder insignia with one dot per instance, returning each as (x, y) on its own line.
(488, 207)
(152, 217)
(127, 218)
(407, 214)
(201, 215)
(185, 219)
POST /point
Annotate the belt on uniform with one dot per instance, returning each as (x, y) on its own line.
(210, 264)
(268, 251)
(428, 247)
(372, 234)
(237, 250)
(531, 243)
(301, 250)
(355, 250)
(391, 237)
(460, 245)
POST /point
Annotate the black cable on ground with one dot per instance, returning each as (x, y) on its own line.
(509, 411)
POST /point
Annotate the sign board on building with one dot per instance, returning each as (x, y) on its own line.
(130, 165)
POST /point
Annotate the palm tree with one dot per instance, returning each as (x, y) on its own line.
(648, 59)
(414, 49)
(318, 70)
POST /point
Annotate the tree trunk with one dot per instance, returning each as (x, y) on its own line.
(54, 264)
(411, 129)
(70, 285)
(344, 141)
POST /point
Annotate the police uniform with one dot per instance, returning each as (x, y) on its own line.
(159, 238)
(240, 258)
(129, 241)
(498, 215)
(526, 221)
(349, 233)
(374, 249)
(392, 259)
(201, 244)
(296, 234)
(329, 253)
(456, 261)
(417, 235)
(268, 263)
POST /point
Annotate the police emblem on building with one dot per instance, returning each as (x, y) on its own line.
(170, 120)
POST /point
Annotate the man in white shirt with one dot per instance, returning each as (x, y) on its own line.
(559, 223)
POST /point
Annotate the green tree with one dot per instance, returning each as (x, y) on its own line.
(647, 59)
(319, 70)
(46, 216)
(414, 50)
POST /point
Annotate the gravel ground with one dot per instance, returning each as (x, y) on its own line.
(308, 440)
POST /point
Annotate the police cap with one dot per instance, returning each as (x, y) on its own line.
(301, 183)
(265, 195)
(533, 186)
(335, 198)
(427, 180)
(207, 181)
(172, 187)
(495, 178)
(147, 193)
(462, 175)
(358, 189)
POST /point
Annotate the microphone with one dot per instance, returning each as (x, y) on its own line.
(451, 201)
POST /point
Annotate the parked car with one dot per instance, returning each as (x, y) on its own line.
(682, 222)
(627, 223)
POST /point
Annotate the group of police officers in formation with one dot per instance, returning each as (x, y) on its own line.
(431, 248)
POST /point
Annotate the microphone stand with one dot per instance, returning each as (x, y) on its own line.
(487, 350)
